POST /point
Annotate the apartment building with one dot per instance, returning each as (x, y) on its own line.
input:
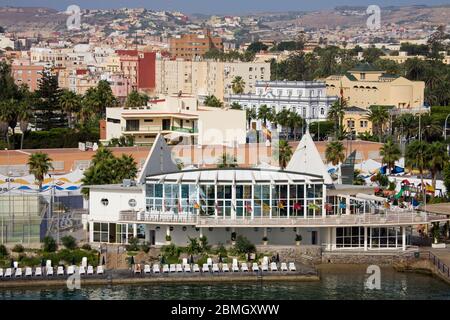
(208, 77)
(139, 67)
(365, 86)
(193, 46)
(176, 117)
(27, 75)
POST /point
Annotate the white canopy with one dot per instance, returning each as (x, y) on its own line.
(307, 159)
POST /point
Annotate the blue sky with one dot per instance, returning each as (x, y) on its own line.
(214, 6)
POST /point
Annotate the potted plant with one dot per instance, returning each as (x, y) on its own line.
(265, 240)
(298, 239)
(168, 239)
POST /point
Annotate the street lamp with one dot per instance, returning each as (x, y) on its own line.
(445, 127)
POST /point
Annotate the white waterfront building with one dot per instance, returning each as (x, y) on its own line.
(308, 98)
(258, 203)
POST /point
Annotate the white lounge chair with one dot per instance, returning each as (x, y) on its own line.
(1, 272)
(284, 267)
(137, 269)
(70, 270)
(292, 267)
(173, 268)
(235, 266)
(209, 262)
(205, 268)
(16, 264)
(90, 270)
(84, 262)
(166, 268)
(156, 268)
(179, 268)
(49, 271)
(38, 272)
(215, 267)
(100, 270)
(244, 267)
(82, 270)
(273, 267)
(28, 272)
(8, 273)
(60, 271)
(264, 267)
(266, 261)
(225, 268)
(18, 273)
(187, 268)
(255, 267)
(195, 268)
(185, 262)
(48, 264)
(147, 269)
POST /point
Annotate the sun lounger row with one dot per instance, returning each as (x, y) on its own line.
(49, 271)
(214, 268)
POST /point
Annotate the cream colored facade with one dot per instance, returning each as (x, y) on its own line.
(177, 118)
(403, 57)
(355, 120)
(205, 78)
(364, 87)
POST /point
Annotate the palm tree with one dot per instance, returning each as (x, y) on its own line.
(337, 113)
(284, 153)
(39, 165)
(102, 155)
(272, 117)
(136, 100)
(416, 157)
(438, 158)
(127, 167)
(378, 116)
(213, 101)
(295, 121)
(406, 126)
(226, 161)
(263, 114)
(238, 85)
(70, 103)
(23, 116)
(430, 128)
(334, 152)
(236, 106)
(283, 118)
(250, 114)
(4, 124)
(390, 153)
(84, 114)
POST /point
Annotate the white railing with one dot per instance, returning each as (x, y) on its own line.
(389, 218)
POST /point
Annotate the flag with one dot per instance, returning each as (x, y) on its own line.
(248, 206)
(180, 209)
(217, 208)
(196, 205)
(328, 207)
(281, 205)
(297, 206)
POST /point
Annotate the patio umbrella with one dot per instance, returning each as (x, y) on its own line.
(278, 257)
(132, 260)
(12, 263)
(73, 261)
(220, 258)
(192, 259)
(103, 261)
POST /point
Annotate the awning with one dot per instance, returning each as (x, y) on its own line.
(370, 197)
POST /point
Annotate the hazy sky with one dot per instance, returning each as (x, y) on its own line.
(215, 6)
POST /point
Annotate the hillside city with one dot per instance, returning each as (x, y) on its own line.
(216, 138)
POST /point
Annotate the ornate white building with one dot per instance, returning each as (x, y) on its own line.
(308, 98)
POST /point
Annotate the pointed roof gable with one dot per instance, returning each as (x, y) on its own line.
(307, 159)
(159, 160)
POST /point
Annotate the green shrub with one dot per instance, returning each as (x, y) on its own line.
(18, 248)
(145, 247)
(30, 261)
(168, 238)
(193, 246)
(202, 260)
(243, 245)
(298, 237)
(204, 244)
(3, 251)
(133, 244)
(170, 250)
(69, 242)
(86, 247)
(49, 244)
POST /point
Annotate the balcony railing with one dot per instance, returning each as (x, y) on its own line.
(185, 130)
(390, 218)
